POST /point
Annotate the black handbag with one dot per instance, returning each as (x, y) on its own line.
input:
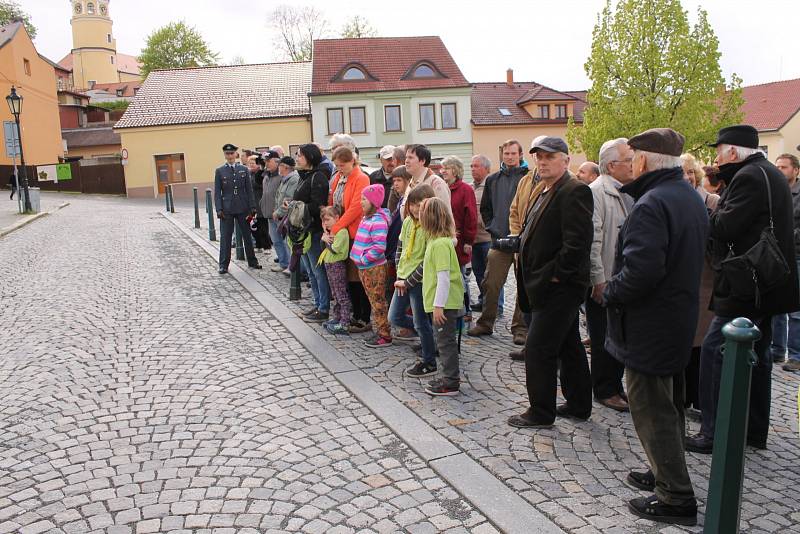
(760, 269)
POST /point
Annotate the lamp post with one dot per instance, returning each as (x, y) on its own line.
(15, 105)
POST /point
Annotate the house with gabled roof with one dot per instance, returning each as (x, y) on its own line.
(774, 110)
(521, 111)
(391, 91)
(175, 126)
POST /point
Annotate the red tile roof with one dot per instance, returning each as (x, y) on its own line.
(125, 63)
(387, 60)
(85, 137)
(769, 106)
(489, 98)
(220, 94)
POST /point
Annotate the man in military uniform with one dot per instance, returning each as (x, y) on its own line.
(234, 201)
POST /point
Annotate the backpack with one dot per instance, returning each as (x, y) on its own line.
(297, 221)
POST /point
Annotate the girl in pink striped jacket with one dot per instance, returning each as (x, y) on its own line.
(368, 254)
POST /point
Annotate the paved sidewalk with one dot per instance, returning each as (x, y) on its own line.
(9, 210)
(140, 392)
(574, 472)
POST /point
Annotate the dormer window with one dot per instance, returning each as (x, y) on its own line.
(90, 8)
(354, 73)
(424, 70)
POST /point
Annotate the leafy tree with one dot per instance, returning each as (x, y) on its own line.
(173, 46)
(10, 11)
(650, 69)
(297, 28)
(114, 105)
(237, 60)
(358, 26)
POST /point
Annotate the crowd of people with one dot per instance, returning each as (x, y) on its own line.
(646, 241)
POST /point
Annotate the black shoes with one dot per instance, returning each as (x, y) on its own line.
(316, 317)
(517, 355)
(478, 306)
(524, 420)
(223, 270)
(255, 266)
(650, 508)
(421, 369)
(642, 480)
(700, 444)
(565, 411)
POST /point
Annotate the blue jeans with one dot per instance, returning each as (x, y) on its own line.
(480, 252)
(421, 322)
(279, 244)
(317, 275)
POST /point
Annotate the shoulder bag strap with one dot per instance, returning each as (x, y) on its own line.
(769, 199)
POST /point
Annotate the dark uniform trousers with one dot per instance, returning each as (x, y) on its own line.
(226, 233)
(656, 404)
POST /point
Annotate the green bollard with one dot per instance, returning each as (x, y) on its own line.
(239, 243)
(166, 197)
(727, 464)
(212, 231)
(196, 208)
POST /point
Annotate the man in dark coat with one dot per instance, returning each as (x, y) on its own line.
(552, 279)
(383, 176)
(234, 201)
(652, 301)
(740, 217)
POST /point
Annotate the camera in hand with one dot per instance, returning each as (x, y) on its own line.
(508, 244)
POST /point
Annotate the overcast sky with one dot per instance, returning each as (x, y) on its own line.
(546, 42)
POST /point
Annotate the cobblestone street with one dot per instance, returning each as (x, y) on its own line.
(142, 392)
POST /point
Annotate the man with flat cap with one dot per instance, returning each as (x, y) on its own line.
(652, 306)
(552, 279)
(742, 213)
(234, 201)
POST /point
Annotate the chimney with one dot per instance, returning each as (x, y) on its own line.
(510, 77)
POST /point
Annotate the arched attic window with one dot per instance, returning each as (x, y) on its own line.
(424, 70)
(354, 73)
(90, 8)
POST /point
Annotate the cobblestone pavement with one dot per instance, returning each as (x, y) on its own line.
(573, 472)
(141, 392)
(9, 210)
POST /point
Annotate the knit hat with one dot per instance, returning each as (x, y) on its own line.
(374, 193)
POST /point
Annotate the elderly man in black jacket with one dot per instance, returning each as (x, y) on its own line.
(552, 279)
(652, 300)
(741, 215)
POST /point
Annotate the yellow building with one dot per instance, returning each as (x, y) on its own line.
(521, 111)
(774, 110)
(94, 58)
(174, 129)
(35, 80)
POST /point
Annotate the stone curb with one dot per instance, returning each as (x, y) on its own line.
(494, 499)
(29, 219)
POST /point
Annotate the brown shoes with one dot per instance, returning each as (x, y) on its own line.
(616, 403)
(480, 330)
(519, 339)
(517, 355)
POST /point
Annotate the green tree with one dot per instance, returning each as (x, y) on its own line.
(650, 69)
(113, 105)
(358, 26)
(10, 11)
(297, 28)
(174, 46)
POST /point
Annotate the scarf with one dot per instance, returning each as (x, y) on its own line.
(411, 237)
(338, 193)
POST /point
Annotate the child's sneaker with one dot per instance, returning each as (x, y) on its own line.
(438, 388)
(421, 369)
(337, 328)
(378, 342)
(406, 334)
(329, 323)
(357, 327)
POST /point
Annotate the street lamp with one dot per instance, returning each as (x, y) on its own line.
(15, 105)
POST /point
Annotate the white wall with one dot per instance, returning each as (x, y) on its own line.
(320, 119)
(463, 134)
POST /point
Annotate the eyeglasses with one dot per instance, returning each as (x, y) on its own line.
(628, 160)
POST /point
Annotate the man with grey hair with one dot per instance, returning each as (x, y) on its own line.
(588, 172)
(743, 212)
(651, 301)
(611, 207)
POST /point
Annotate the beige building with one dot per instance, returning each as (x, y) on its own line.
(174, 129)
(34, 77)
(94, 58)
(521, 111)
(774, 110)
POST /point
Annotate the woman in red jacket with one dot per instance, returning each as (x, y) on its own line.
(465, 212)
(346, 187)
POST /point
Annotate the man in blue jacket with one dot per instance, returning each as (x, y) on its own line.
(652, 304)
(234, 201)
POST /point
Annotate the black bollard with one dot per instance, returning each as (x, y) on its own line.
(196, 209)
(212, 231)
(171, 199)
(166, 198)
(239, 242)
(295, 291)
